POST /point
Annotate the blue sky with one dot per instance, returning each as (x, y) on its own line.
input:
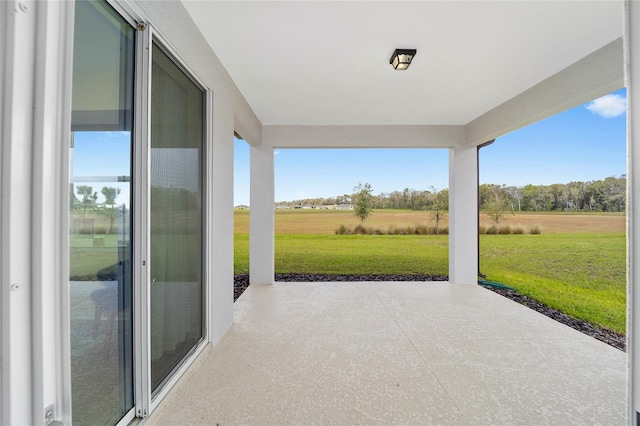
(103, 154)
(582, 144)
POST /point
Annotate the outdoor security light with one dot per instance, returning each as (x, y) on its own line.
(401, 58)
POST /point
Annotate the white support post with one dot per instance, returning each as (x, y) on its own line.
(463, 215)
(220, 211)
(632, 68)
(261, 224)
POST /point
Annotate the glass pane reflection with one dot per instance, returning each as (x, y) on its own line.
(100, 216)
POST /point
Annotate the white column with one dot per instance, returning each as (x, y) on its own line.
(463, 215)
(220, 214)
(632, 68)
(261, 223)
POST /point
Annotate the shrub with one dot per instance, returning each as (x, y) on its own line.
(394, 230)
(100, 230)
(519, 230)
(422, 230)
(482, 229)
(493, 230)
(504, 230)
(360, 229)
(342, 230)
(442, 230)
(535, 230)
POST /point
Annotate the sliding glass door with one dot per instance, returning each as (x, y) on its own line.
(100, 285)
(136, 244)
(177, 135)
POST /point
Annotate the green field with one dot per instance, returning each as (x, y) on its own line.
(580, 273)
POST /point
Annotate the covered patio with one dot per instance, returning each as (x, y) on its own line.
(397, 353)
(296, 75)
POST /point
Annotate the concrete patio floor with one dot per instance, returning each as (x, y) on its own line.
(397, 353)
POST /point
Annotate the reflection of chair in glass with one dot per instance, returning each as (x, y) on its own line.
(106, 302)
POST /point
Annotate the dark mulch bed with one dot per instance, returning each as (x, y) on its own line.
(241, 282)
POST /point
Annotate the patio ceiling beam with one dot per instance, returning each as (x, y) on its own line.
(363, 136)
(593, 76)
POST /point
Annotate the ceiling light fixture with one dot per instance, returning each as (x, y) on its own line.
(401, 58)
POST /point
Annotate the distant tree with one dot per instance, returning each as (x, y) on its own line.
(88, 199)
(515, 193)
(73, 200)
(110, 195)
(440, 205)
(607, 195)
(362, 200)
(497, 206)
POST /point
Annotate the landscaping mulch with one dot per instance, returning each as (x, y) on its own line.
(618, 341)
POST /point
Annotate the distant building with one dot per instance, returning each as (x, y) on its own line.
(344, 207)
(242, 207)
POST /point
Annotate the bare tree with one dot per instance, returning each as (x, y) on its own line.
(440, 205)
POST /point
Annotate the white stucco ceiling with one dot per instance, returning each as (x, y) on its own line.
(326, 62)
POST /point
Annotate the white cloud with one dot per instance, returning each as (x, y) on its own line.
(276, 152)
(608, 106)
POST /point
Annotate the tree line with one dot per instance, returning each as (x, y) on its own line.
(606, 195)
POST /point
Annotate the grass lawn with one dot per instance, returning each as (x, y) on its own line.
(362, 254)
(583, 275)
(88, 259)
